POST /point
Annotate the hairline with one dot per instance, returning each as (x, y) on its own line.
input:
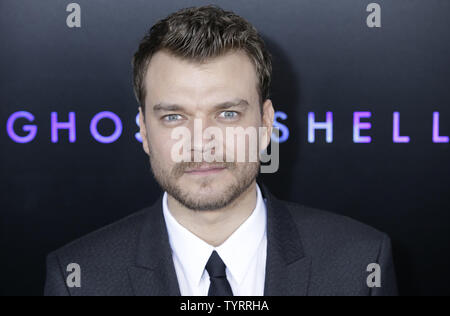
(200, 61)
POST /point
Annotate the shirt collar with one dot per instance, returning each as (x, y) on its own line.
(236, 252)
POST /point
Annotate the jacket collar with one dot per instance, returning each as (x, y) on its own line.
(287, 267)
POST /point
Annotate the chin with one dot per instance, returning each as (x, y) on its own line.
(204, 182)
(211, 189)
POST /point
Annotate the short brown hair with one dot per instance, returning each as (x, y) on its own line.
(200, 33)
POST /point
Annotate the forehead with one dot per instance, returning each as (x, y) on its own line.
(173, 79)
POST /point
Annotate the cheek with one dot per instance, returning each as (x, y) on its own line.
(160, 147)
(242, 146)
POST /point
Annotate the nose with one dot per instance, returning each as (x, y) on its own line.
(200, 139)
(206, 142)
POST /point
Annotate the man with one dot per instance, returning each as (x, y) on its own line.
(216, 230)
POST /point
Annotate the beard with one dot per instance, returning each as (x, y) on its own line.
(244, 174)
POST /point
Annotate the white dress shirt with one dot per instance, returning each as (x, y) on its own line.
(244, 254)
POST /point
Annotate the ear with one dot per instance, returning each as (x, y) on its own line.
(268, 116)
(143, 131)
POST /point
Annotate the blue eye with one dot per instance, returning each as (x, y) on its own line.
(171, 117)
(229, 114)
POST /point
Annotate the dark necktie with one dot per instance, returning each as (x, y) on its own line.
(219, 283)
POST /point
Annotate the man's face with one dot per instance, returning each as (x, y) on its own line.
(196, 90)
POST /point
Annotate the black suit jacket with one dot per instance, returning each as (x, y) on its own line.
(309, 252)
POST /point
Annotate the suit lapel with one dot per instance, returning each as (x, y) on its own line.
(287, 267)
(154, 272)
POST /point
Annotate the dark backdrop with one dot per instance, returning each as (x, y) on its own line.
(326, 59)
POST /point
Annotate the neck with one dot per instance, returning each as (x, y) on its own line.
(215, 227)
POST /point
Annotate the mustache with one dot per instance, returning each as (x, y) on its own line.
(180, 168)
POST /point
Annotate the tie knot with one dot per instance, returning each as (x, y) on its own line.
(215, 266)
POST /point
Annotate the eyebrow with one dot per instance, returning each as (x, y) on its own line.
(166, 107)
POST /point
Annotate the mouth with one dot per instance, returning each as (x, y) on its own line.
(205, 170)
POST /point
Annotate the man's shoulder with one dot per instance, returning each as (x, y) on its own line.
(320, 228)
(117, 238)
(103, 258)
(341, 251)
